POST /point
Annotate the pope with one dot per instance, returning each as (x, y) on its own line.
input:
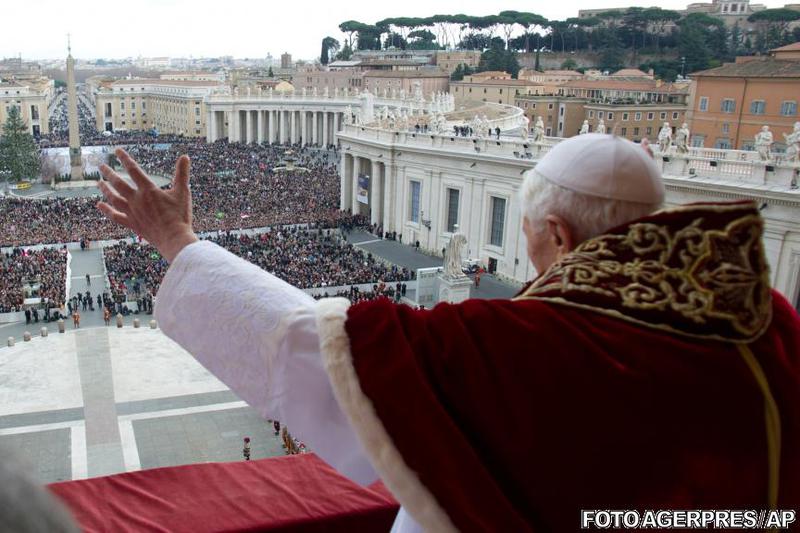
(649, 366)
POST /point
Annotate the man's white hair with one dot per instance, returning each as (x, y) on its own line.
(587, 216)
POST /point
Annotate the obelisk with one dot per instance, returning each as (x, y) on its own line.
(76, 168)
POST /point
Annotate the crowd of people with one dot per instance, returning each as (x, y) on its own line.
(233, 186)
(305, 258)
(40, 273)
(379, 290)
(134, 270)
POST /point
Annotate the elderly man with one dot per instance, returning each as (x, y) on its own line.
(649, 366)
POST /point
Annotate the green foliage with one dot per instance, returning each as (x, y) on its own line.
(460, 71)
(270, 73)
(498, 58)
(569, 64)
(19, 155)
(60, 84)
(775, 15)
(772, 28)
(329, 46)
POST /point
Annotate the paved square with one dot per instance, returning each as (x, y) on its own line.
(44, 454)
(203, 437)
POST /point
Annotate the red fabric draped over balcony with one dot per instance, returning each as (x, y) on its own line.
(293, 493)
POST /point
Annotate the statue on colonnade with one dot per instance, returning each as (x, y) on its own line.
(764, 141)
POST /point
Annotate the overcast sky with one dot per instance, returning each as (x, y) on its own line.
(241, 28)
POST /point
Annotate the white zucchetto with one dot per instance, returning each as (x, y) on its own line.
(603, 165)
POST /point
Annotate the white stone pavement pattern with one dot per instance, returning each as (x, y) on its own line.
(100, 400)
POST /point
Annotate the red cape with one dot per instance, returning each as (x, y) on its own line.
(515, 415)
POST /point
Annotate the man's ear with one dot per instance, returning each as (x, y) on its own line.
(560, 235)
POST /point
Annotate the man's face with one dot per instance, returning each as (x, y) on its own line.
(542, 249)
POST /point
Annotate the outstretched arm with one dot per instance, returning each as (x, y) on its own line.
(255, 332)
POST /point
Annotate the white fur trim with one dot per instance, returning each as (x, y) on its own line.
(384, 456)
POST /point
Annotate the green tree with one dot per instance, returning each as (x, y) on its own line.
(270, 73)
(569, 64)
(329, 46)
(19, 155)
(772, 26)
(498, 58)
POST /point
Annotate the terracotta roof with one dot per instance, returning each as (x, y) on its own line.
(422, 73)
(631, 72)
(522, 83)
(491, 73)
(610, 84)
(558, 72)
(764, 68)
(788, 48)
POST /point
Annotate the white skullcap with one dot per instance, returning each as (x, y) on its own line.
(603, 165)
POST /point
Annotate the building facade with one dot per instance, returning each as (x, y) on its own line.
(169, 106)
(732, 102)
(427, 187)
(493, 87)
(32, 100)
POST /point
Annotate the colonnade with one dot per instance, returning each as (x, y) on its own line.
(272, 126)
(379, 179)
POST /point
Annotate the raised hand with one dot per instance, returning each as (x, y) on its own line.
(163, 218)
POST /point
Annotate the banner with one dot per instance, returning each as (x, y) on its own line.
(363, 188)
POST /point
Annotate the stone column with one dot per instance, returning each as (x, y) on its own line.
(282, 126)
(293, 122)
(390, 177)
(345, 201)
(211, 124)
(314, 136)
(233, 126)
(248, 126)
(356, 203)
(271, 126)
(304, 127)
(325, 129)
(335, 128)
(375, 197)
(260, 126)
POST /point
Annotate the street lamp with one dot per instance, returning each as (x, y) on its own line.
(683, 66)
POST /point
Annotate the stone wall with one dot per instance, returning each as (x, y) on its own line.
(554, 60)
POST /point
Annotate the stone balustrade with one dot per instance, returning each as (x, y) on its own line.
(735, 166)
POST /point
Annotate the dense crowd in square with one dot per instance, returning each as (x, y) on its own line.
(28, 268)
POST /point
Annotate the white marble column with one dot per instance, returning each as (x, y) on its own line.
(233, 126)
(356, 204)
(248, 126)
(260, 126)
(304, 127)
(293, 122)
(271, 126)
(375, 197)
(282, 126)
(324, 129)
(335, 129)
(210, 125)
(389, 177)
(314, 135)
(345, 187)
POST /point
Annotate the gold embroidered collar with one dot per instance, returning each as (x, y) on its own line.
(696, 270)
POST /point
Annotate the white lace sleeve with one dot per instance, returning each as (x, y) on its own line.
(258, 335)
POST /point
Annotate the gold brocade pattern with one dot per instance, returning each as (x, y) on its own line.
(697, 270)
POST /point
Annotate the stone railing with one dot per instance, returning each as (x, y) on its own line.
(506, 147)
(339, 98)
(736, 167)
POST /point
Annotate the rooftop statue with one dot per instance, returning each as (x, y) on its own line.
(793, 144)
(682, 139)
(664, 138)
(764, 141)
